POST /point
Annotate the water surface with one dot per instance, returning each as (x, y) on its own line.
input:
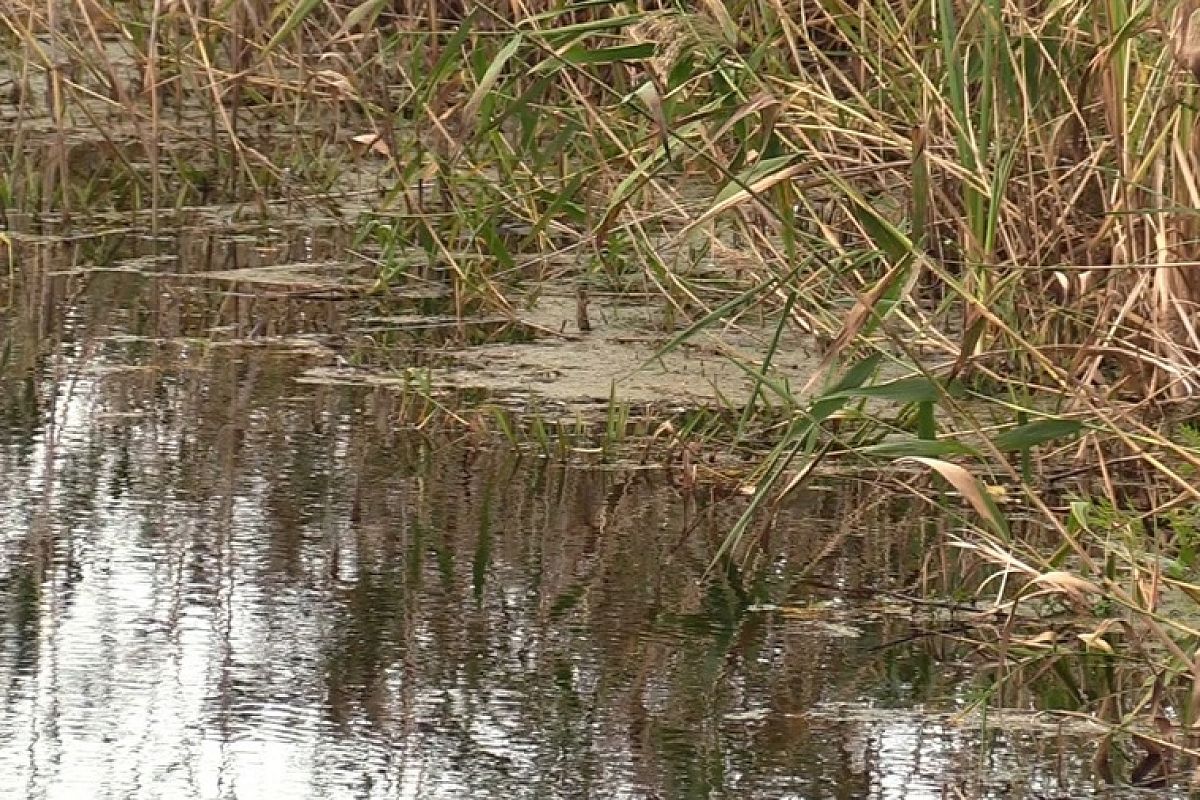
(217, 581)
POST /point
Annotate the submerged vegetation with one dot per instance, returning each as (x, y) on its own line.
(981, 215)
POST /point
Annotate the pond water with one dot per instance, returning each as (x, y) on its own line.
(220, 581)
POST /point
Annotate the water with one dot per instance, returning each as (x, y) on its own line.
(217, 582)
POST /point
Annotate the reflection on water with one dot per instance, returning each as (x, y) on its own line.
(218, 583)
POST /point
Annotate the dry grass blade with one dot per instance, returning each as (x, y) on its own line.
(1186, 36)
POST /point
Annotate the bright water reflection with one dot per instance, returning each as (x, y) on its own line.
(217, 583)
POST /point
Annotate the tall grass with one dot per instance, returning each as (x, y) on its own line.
(996, 199)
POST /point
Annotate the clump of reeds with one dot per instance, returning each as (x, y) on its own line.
(996, 199)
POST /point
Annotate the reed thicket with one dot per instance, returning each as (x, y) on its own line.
(997, 199)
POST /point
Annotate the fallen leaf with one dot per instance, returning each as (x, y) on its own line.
(373, 143)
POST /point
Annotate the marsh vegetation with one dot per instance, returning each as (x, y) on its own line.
(945, 249)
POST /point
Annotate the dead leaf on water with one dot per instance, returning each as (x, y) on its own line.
(1066, 583)
(1042, 640)
(336, 81)
(371, 143)
(1095, 642)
